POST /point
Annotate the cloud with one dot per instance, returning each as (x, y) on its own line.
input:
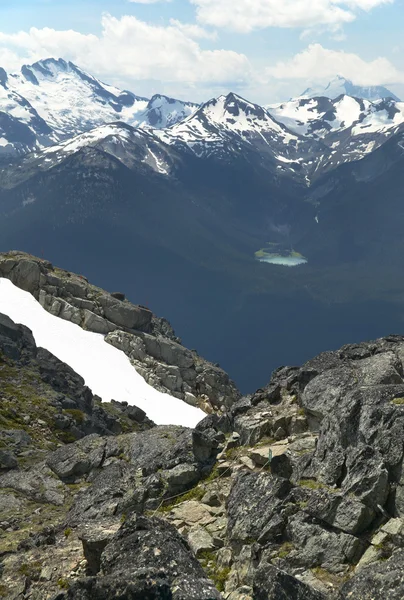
(246, 15)
(135, 50)
(147, 1)
(194, 31)
(318, 63)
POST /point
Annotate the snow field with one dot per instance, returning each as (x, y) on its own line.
(106, 370)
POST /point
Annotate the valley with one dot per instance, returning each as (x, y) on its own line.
(203, 218)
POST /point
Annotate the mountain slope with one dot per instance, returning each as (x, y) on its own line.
(340, 85)
(105, 369)
(21, 128)
(351, 128)
(71, 101)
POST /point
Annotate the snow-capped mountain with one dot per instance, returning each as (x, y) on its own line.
(131, 146)
(318, 117)
(162, 112)
(340, 85)
(54, 100)
(350, 127)
(230, 126)
(53, 109)
(21, 128)
(70, 100)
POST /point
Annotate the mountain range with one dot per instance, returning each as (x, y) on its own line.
(340, 85)
(202, 209)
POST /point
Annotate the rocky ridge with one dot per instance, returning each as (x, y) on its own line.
(149, 341)
(294, 492)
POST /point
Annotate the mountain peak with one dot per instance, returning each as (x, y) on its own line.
(340, 85)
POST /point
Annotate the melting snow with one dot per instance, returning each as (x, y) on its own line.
(105, 369)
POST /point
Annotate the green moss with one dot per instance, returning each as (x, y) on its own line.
(195, 493)
(213, 475)
(25, 395)
(63, 584)
(4, 591)
(31, 570)
(313, 484)
(219, 576)
(285, 549)
(67, 532)
(76, 414)
(234, 453)
(398, 401)
(66, 437)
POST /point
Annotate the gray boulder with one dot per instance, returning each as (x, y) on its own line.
(254, 504)
(146, 560)
(75, 460)
(379, 581)
(271, 583)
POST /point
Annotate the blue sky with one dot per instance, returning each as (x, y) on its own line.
(268, 50)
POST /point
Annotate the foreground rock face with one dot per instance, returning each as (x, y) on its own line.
(148, 341)
(292, 493)
(146, 559)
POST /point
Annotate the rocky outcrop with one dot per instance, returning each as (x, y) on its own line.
(146, 559)
(44, 402)
(294, 492)
(149, 341)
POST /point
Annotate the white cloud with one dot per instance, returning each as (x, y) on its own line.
(147, 1)
(134, 50)
(318, 63)
(246, 15)
(193, 31)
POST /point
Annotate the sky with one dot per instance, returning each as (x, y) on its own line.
(265, 50)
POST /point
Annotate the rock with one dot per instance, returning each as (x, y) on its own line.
(146, 559)
(371, 555)
(25, 275)
(242, 593)
(78, 459)
(136, 414)
(118, 296)
(271, 583)
(46, 574)
(95, 538)
(341, 511)
(114, 491)
(192, 513)
(255, 499)
(211, 498)
(145, 338)
(315, 545)
(260, 456)
(224, 558)
(233, 441)
(125, 314)
(181, 477)
(298, 425)
(200, 541)
(37, 484)
(377, 581)
(95, 323)
(7, 460)
(247, 462)
(254, 425)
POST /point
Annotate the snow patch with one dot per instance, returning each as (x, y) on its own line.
(105, 369)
